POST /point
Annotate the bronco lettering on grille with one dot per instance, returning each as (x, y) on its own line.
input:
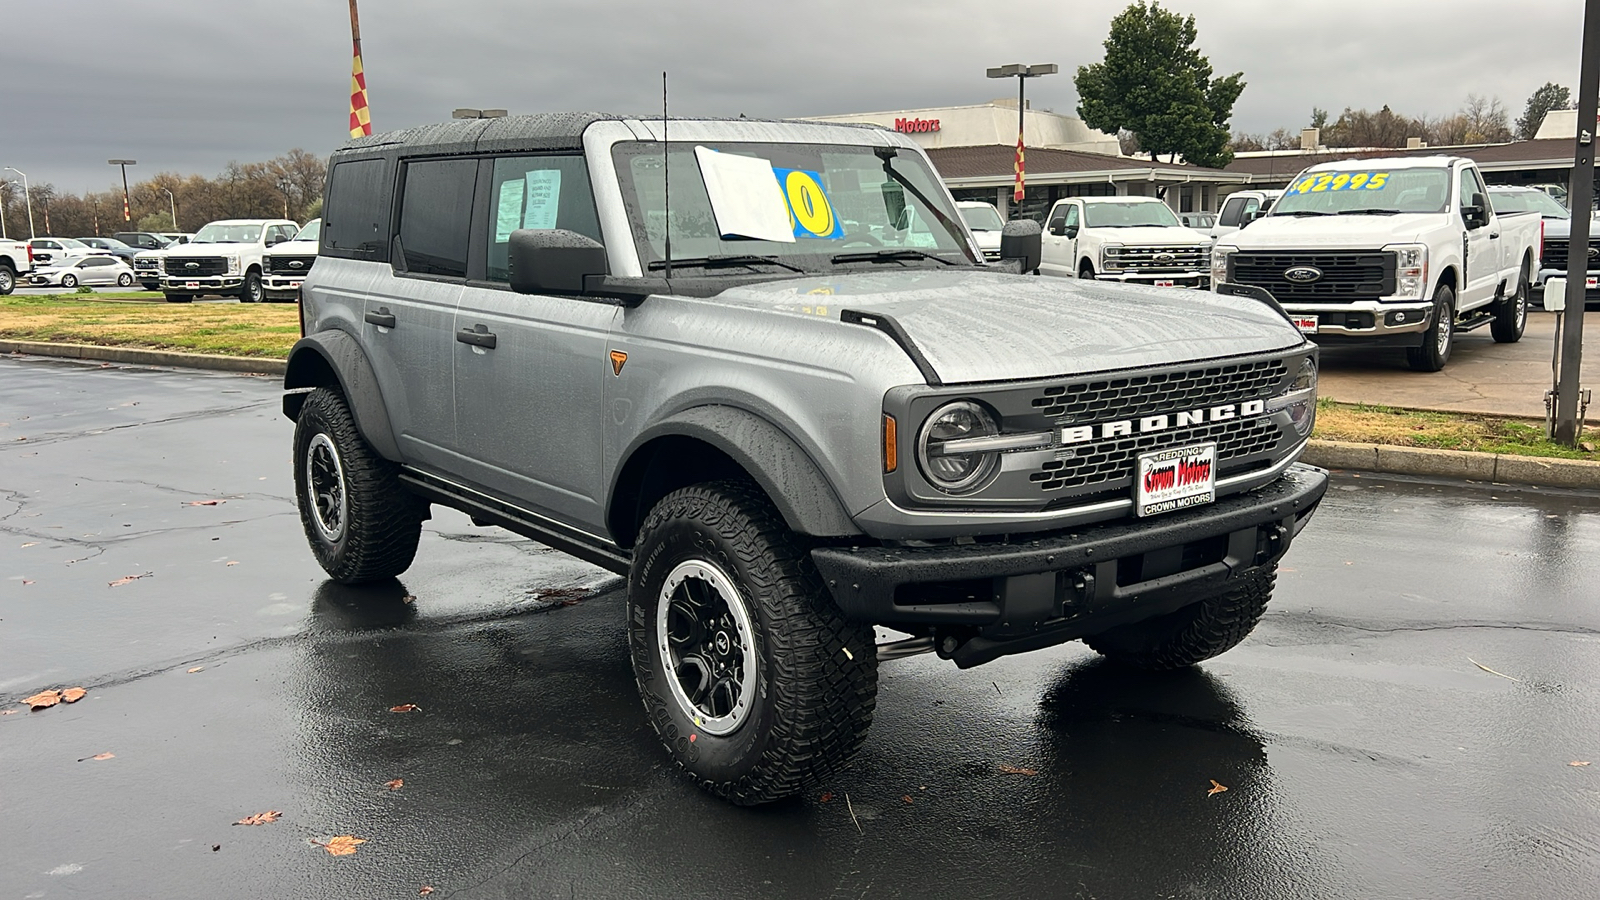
(1129, 427)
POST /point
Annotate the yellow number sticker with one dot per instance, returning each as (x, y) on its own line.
(1339, 181)
(1376, 182)
(1358, 180)
(809, 210)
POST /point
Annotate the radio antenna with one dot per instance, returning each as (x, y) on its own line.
(666, 177)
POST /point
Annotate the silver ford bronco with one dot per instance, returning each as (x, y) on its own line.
(761, 370)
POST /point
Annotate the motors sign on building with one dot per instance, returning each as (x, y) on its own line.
(913, 126)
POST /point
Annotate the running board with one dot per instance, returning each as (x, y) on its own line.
(1474, 322)
(485, 509)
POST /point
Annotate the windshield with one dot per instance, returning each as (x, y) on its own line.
(829, 200)
(219, 233)
(110, 244)
(310, 231)
(1128, 215)
(1367, 191)
(1528, 201)
(982, 218)
(71, 244)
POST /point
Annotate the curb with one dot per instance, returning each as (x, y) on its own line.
(1459, 464)
(248, 364)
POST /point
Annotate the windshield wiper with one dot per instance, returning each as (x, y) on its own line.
(724, 260)
(887, 255)
(1369, 212)
(1304, 212)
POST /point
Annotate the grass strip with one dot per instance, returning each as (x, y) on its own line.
(1366, 424)
(225, 329)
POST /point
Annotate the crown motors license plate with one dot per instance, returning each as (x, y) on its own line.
(1177, 478)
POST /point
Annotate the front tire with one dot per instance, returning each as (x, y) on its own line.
(124, 280)
(1511, 314)
(361, 522)
(1197, 632)
(1440, 338)
(749, 673)
(1086, 270)
(8, 280)
(70, 281)
(251, 291)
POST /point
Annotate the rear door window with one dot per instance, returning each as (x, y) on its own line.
(436, 216)
(1232, 212)
(537, 192)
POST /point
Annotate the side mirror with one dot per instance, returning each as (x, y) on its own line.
(1058, 227)
(1071, 231)
(1475, 214)
(1022, 240)
(275, 240)
(1250, 216)
(553, 261)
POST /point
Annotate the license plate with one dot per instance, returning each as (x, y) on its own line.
(1591, 282)
(1175, 479)
(1306, 324)
(192, 285)
(1166, 283)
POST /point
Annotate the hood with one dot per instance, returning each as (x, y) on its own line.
(1353, 232)
(987, 240)
(293, 248)
(975, 325)
(1562, 228)
(193, 249)
(1151, 236)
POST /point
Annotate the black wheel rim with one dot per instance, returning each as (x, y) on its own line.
(707, 646)
(325, 493)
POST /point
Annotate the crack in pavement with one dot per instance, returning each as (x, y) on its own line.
(1307, 619)
(56, 437)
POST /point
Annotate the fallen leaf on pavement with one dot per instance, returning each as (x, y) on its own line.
(907, 798)
(1017, 770)
(341, 845)
(103, 756)
(826, 796)
(27, 581)
(9, 712)
(264, 818)
(1491, 671)
(1579, 762)
(205, 502)
(1216, 788)
(30, 544)
(395, 785)
(73, 694)
(42, 700)
(405, 707)
(425, 890)
(126, 579)
(232, 562)
(195, 669)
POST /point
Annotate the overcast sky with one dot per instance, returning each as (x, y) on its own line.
(188, 85)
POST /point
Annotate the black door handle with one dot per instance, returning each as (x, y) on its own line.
(1494, 237)
(477, 336)
(382, 318)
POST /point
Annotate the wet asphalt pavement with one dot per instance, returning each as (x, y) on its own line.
(1364, 752)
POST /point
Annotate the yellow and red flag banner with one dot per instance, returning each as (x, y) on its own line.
(1017, 170)
(360, 119)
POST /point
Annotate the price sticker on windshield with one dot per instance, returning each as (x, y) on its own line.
(810, 211)
(1326, 182)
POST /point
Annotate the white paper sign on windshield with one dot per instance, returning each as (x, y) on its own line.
(745, 197)
(509, 213)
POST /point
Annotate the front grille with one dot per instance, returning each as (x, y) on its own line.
(1109, 464)
(1345, 275)
(1139, 395)
(1161, 259)
(289, 265)
(196, 266)
(147, 266)
(1558, 250)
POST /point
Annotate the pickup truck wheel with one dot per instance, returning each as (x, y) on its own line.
(250, 291)
(1086, 271)
(1194, 633)
(362, 523)
(748, 671)
(1439, 339)
(8, 280)
(1511, 315)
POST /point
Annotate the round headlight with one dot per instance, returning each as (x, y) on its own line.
(1300, 400)
(938, 448)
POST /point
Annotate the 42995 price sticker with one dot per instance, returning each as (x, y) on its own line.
(1340, 181)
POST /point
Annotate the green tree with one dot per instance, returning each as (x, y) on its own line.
(1551, 96)
(1154, 83)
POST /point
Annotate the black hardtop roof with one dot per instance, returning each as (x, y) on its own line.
(541, 131)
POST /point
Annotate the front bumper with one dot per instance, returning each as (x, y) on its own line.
(179, 284)
(1189, 279)
(1056, 587)
(281, 284)
(1366, 321)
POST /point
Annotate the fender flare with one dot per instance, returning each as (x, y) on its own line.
(785, 472)
(335, 359)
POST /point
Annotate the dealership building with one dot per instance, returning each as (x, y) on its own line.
(974, 147)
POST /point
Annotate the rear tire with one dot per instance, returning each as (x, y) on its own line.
(8, 280)
(1440, 338)
(748, 671)
(70, 281)
(1511, 313)
(1194, 633)
(361, 522)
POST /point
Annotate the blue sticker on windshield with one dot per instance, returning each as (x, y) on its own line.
(1323, 182)
(810, 211)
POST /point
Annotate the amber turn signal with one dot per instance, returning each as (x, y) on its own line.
(891, 450)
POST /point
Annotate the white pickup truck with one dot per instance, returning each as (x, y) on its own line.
(1389, 252)
(223, 258)
(15, 260)
(1135, 240)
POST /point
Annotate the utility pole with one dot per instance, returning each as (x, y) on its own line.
(127, 212)
(1567, 426)
(1022, 74)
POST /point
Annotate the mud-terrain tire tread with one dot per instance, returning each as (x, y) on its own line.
(1506, 329)
(822, 669)
(1194, 633)
(383, 519)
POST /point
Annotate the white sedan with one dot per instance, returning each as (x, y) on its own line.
(98, 269)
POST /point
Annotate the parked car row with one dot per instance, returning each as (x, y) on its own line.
(231, 257)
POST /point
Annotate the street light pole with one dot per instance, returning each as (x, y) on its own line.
(1021, 73)
(127, 213)
(1568, 421)
(172, 204)
(283, 188)
(27, 196)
